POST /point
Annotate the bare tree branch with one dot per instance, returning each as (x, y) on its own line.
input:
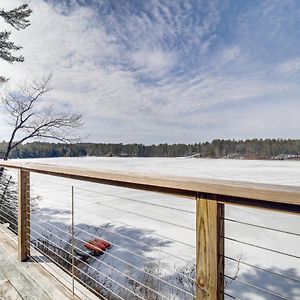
(33, 120)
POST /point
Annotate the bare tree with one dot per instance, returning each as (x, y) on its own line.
(34, 119)
(18, 19)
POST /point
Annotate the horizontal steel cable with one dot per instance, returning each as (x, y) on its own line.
(40, 241)
(89, 288)
(167, 238)
(140, 215)
(140, 256)
(114, 244)
(119, 234)
(142, 243)
(116, 196)
(109, 254)
(11, 216)
(262, 269)
(9, 208)
(157, 293)
(261, 247)
(230, 296)
(143, 216)
(141, 270)
(35, 260)
(102, 263)
(262, 227)
(126, 224)
(133, 200)
(93, 290)
(152, 233)
(119, 197)
(100, 284)
(65, 270)
(62, 258)
(70, 263)
(9, 221)
(9, 228)
(127, 263)
(256, 287)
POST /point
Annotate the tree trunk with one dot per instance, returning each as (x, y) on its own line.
(5, 158)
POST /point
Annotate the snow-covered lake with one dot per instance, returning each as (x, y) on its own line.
(146, 235)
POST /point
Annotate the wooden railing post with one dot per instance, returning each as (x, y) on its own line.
(23, 215)
(210, 248)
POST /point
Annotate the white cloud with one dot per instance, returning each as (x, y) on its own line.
(110, 73)
(290, 67)
(58, 42)
(153, 62)
(281, 120)
(231, 53)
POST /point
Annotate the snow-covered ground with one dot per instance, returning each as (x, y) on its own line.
(136, 221)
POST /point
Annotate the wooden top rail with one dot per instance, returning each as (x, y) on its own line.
(278, 197)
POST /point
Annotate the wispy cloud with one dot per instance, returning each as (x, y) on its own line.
(153, 62)
(154, 71)
(290, 67)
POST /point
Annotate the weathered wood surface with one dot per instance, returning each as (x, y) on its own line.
(243, 192)
(23, 215)
(8, 292)
(210, 249)
(29, 280)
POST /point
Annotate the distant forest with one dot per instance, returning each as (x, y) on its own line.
(248, 149)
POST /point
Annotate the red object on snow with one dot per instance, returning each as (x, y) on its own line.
(97, 245)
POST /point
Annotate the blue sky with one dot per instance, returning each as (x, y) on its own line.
(167, 71)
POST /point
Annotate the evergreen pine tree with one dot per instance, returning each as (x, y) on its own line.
(18, 19)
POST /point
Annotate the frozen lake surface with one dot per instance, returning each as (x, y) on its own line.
(146, 235)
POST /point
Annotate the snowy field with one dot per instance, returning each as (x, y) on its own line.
(142, 226)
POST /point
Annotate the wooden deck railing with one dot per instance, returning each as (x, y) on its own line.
(210, 195)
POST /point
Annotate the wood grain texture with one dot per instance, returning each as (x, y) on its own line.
(24, 215)
(210, 249)
(221, 250)
(30, 280)
(184, 186)
(8, 291)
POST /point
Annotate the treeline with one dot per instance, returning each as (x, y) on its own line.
(249, 149)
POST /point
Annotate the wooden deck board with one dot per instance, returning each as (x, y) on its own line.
(25, 280)
(8, 291)
(27, 288)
